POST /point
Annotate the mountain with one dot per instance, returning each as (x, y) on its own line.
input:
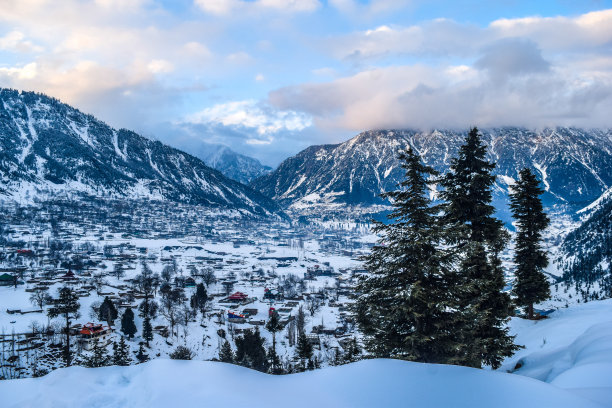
(585, 256)
(575, 165)
(233, 165)
(50, 148)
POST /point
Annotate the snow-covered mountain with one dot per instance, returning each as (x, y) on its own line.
(50, 148)
(586, 253)
(233, 165)
(575, 165)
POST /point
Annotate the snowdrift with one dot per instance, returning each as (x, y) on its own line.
(372, 383)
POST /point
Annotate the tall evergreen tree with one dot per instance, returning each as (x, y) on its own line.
(147, 330)
(121, 353)
(250, 350)
(531, 285)
(200, 298)
(226, 354)
(477, 237)
(274, 325)
(127, 323)
(405, 306)
(99, 357)
(66, 306)
(303, 348)
(141, 355)
(108, 312)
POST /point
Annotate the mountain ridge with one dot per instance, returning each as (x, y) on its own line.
(50, 147)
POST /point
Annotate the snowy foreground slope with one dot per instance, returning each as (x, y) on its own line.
(373, 383)
(568, 357)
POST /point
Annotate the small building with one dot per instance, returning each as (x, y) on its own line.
(190, 282)
(69, 276)
(234, 317)
(237, 297)
(7, 279)
(91, 333)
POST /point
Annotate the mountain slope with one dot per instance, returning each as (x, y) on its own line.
(50, 148)
(585, 255)
(575, 165)
(233, 165)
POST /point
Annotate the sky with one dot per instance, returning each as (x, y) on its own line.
(268, 78)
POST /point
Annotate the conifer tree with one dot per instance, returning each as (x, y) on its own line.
(147, 330)
(108, 311)
(531, 285)
(66, 306)
(303, 348)
(226, 354)
(477, 237)
(127, 323)
(142, 356)
(250, 350)
(199, 299)
(121, 353)
(99, 357)
(405, 306)
(274, 325)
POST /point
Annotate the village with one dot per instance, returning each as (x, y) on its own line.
(249, 269)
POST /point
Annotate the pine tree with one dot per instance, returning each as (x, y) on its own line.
(108, 311)
(478, 238)
(531, 285)
(66, 306)
(274, 361)
(127, 323)
(303, 348)
(147, 330)
(405, 306)
(274, 325)
(142, 356)
(250, 350)
(226, 354)
(200, 298)
(121, 353)
(99, 357)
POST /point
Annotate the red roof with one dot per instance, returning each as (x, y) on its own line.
(238, 296)
(92, 328)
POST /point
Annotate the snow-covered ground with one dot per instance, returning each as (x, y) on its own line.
(372, 383)
(567, 362)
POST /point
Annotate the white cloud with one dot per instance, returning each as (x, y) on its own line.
(15, 41)
(260, 78)
(251, 114)
(160, 66)
(28, 71)
(419, 96)
(226, 7)
(356, 9)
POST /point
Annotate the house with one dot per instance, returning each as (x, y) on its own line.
(92, 333)
(190, 282)
(270, 294)
(234, 317)
(69, 276)
(237, 297)
(7, 280)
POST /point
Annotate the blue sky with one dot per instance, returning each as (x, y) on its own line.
(270, 77)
